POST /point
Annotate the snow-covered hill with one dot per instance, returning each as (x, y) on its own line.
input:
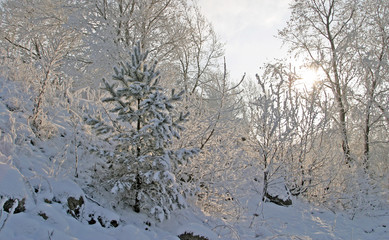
(40, 174)
(49, 190)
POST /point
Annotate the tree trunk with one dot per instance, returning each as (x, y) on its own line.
(337, 90)
(138, 185)
(265, 181)
(38, 104)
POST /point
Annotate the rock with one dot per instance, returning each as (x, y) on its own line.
(92, 221)
(101, 221)
(12, 188)
(10, 202)
(43, 215)
(277, 200)
(75, 206)
(63, 189)
(278, 193)
(190, 236)
(114, 223)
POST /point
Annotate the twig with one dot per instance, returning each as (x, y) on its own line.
(50, 234)
(3, 200)
(229, 227)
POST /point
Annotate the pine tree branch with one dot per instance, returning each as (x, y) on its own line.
(36, 56)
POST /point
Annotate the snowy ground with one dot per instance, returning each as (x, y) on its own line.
(42, 172)
(304, 221)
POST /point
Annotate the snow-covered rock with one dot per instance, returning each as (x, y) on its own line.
(278, 193)
(11, 183)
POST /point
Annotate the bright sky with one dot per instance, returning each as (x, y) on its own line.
(248, 27)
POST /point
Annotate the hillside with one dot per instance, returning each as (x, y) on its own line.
(59, 197)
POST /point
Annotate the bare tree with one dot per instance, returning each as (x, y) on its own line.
(320, 31)
(348, 41)
(372, 48)
(112, 27)
(272, 126)
(201, 53)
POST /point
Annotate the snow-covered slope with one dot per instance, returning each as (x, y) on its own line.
(54, 204)
(58, 205)
(304, 221)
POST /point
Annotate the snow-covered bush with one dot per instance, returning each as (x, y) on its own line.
(39, 48)
(142, 125)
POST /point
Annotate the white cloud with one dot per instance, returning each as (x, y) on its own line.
(265, 13)
(248, 27)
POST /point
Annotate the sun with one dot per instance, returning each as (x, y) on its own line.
(307, 77)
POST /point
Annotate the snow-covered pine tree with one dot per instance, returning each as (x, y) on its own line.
(143, 125)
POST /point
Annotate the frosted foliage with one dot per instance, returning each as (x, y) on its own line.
(142, 127)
